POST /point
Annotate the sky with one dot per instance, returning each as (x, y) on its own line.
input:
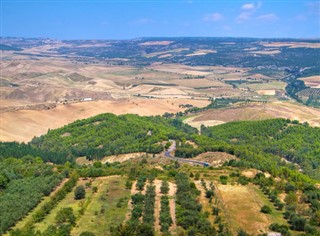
(127, 19)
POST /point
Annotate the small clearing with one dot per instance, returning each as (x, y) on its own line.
(243, 205)
(214, 158)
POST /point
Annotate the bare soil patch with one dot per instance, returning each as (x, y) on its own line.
(194, 122)
(172, 204)
(214, 158)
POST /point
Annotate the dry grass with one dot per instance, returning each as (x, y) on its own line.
(244, 206)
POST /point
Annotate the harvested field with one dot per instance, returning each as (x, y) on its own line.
(201, 53)
(197, 123)
(292, 44)
(258, 111)
(267, 52)
(268, 92)
(156, 43)
(23, 125)
(312, 81)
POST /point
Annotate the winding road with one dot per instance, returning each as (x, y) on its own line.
(167, 154)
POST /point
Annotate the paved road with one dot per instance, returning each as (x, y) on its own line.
(173, 147)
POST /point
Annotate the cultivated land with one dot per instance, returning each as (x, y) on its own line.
(122, 160)
(43, 85)
(257, 111)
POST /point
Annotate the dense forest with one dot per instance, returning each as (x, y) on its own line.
(265, 145)
(108, 134)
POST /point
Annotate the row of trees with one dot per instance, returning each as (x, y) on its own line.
(188, 211)
(47, 207)
(23, 195)
(165, 217)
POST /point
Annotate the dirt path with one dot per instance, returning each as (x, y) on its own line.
(59, 186)
(157, 183)
(172, 204)
(132, 192)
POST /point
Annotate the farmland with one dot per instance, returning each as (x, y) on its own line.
(97, 118)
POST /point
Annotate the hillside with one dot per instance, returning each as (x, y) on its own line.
(108, 134)
(274, 163)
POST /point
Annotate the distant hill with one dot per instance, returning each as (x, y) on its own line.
(5, 47)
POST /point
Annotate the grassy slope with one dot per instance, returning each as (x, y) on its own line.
(68, 201)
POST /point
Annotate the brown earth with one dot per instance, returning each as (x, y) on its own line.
(172, 204)
(312, 81)
(288, 110)
(23, 125)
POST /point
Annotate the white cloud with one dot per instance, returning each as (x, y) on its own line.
(268, 17)
(247, 10)
(251, 6)
(248, 6)
(213, 17)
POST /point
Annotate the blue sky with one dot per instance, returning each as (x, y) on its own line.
(111, 19)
